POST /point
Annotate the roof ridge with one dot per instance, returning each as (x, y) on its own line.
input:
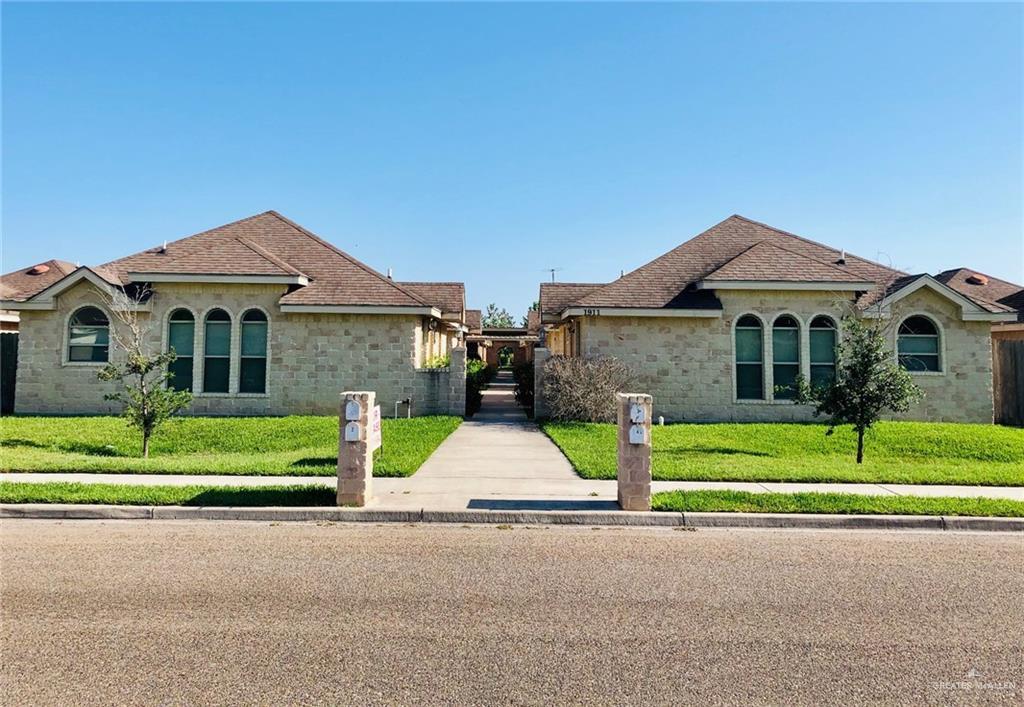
(346, 256)
(185, 238)
(429, 282)
(269, 256)
(808, 240)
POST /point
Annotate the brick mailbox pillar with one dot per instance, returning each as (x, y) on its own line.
(634, 453)
(359, 436)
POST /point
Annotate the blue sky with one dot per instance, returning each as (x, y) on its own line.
(487, 142)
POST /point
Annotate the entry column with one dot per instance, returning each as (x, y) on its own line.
(634, 451)
(356, 442)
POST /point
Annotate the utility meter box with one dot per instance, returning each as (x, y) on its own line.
(637, 434)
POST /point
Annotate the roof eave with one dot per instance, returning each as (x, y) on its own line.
(640, 312)
(784, 285)
(359, 309)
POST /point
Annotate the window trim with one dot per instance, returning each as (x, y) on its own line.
(764, 356)
(837, 324)
(66, 345)
(165, 343)
(801, 358)
(266, 357)
(940, 332)
(200, 389)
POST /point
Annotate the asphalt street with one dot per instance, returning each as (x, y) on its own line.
(147, 612)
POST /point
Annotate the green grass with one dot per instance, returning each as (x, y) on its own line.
(896, 452)
(125, 495)
(298, 445)
(837, 503)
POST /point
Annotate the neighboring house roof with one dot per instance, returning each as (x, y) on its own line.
(977, 285)
(21, 284)
(474, 319)
(449, 297)
(739, 251)
(268, 247)
(533, 321)
(556, 296)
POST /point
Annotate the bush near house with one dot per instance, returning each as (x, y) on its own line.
(478, 377)
(583, 389)
(302, 445)
(902, 452)
(523, 375)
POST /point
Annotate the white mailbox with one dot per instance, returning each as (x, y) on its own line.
(352, 432)
(352, 410)
(637, 414)
(637, 434)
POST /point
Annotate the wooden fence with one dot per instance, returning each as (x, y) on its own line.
(8, 370)
(1008, 381)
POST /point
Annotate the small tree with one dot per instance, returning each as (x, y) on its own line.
(867, 383)
(143, 374)
(498, 318)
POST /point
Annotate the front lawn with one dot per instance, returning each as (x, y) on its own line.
(896, 452)
(296, 446)
(127, 495)
(835, 503)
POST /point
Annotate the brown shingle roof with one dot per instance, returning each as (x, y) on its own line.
(989, 290)
(533, 321)
(474, 319)
(24, 283)
(767, 262)
(556, 296)
(449, 297)
(270, 244)
(664, 281)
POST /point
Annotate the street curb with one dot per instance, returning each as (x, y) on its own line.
(613, 518)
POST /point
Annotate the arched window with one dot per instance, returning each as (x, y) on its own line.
(749, 359)
(217, 352)
(785, 356)
(181, 334)
(918, 344)
(252, 375)
(824, 340)
(89, 335)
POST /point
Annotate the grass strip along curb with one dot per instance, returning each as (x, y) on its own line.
(832, 503)
(669, 501)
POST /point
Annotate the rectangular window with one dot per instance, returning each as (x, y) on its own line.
(823, 356)
(253, 364)
(919, 352)
(217, 364)
(181, 337)
(181, 373)
(786, 363)
(86, 343)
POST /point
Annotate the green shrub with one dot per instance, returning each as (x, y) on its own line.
(523, 375)
(438, 361)
(478, 376)
(583, 389)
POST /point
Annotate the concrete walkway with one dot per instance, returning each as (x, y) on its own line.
(500, 460)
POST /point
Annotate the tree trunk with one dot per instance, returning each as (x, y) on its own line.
(860, 446)
(145, 445)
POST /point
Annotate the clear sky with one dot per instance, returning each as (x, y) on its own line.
(487, 142)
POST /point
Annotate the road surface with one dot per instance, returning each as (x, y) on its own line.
(143, 612)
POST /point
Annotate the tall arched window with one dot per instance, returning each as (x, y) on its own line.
(785, 356)
(252, 374)
(749, 359)
(217, 352)
(918, 344)
(181, 334)
(89, 336)
(824, 340)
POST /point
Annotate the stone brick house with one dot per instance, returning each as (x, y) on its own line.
(266, 318)
(715, 326)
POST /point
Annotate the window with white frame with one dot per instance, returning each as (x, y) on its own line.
(252, 372)
(785, 356)
(749, 359)
(217, 352)
(918, 344)
(824, 340)
(181, 336)
(89, 336)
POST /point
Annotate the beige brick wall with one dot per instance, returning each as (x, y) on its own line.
(312, 358)
(687, 363)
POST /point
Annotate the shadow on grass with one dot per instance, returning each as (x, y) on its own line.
(315, 462)
(696, 449)
(302, 496)
(95, 450)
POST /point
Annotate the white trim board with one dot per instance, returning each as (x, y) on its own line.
(219, 279)
(784, 285)
(357, 309)
(639, 312)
